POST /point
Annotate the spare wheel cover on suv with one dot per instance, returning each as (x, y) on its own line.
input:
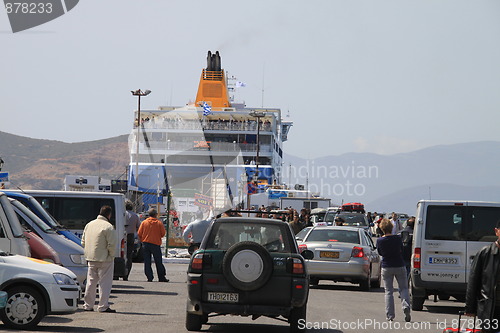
(247, 266)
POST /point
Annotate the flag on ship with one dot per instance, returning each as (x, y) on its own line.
(207, 109)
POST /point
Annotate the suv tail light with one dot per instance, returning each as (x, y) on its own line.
(197, 262)
(357, 252)
(302, 247)
(298, 266)
(417, 257)
(295, 265)
(201, 261)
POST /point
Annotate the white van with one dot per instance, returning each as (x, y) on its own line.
(74, 209)
(447, 235)
(12, 238)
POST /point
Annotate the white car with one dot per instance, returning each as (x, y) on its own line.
(35, 288)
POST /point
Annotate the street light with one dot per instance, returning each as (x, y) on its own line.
(258, 115)
(139, 93)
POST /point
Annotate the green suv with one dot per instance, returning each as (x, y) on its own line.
(248, 267)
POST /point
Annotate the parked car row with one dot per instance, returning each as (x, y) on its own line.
(34, 288)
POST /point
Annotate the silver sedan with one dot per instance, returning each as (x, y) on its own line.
(341, 254)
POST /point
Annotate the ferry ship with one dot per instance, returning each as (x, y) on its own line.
(212, 153)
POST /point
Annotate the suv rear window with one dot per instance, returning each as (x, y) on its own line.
(273, 237)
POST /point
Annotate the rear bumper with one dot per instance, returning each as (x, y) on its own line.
(237, 309)
(424, 288)
(342, 271)
(259, 302)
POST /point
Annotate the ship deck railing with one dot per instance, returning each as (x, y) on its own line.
(250, 125)
(212, 146)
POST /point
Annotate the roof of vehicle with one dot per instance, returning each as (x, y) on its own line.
(318, 210)
(249, 220)
(350, 213)
(16, 194)
(324, 227)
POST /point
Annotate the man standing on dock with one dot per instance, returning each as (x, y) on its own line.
(150, 234)
(99, 243)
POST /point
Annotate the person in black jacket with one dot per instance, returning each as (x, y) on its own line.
(407, 238)
(483, 290)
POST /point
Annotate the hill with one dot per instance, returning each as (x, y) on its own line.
(43, 164)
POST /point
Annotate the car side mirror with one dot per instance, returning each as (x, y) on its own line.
(307, 254)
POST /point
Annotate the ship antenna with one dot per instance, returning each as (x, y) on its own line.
(263, 80)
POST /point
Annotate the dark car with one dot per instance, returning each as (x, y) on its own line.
(349, 219)
(248, 267)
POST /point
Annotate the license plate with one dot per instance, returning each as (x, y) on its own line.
(223, 297)
(443, 261)
(328, 254)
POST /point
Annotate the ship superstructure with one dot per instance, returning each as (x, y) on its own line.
(214, 151)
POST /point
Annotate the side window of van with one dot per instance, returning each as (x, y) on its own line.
(483, 222)
(444, 223)
(75, 213)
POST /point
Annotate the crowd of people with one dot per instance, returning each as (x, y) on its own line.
(394, 245)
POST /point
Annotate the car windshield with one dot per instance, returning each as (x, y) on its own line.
(353, 219)
(302, 233)
(35, 219)
(271, 236)
(8, 214)
(330, 216)
(49, 219)
(333, 235)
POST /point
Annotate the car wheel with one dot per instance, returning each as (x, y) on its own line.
(365, 285)
(247, 266)
(193, 322)
(25, 308)
(297, 319)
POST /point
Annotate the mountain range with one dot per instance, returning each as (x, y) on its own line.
(382, 182)
(396, 182)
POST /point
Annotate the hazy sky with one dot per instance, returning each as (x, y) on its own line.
(356, 76)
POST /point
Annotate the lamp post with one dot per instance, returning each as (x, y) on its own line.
(258, 115)
(139, 93)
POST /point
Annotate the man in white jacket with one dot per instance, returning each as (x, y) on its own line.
(99, 241)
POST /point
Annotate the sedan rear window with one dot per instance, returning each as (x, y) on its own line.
(334, 235)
